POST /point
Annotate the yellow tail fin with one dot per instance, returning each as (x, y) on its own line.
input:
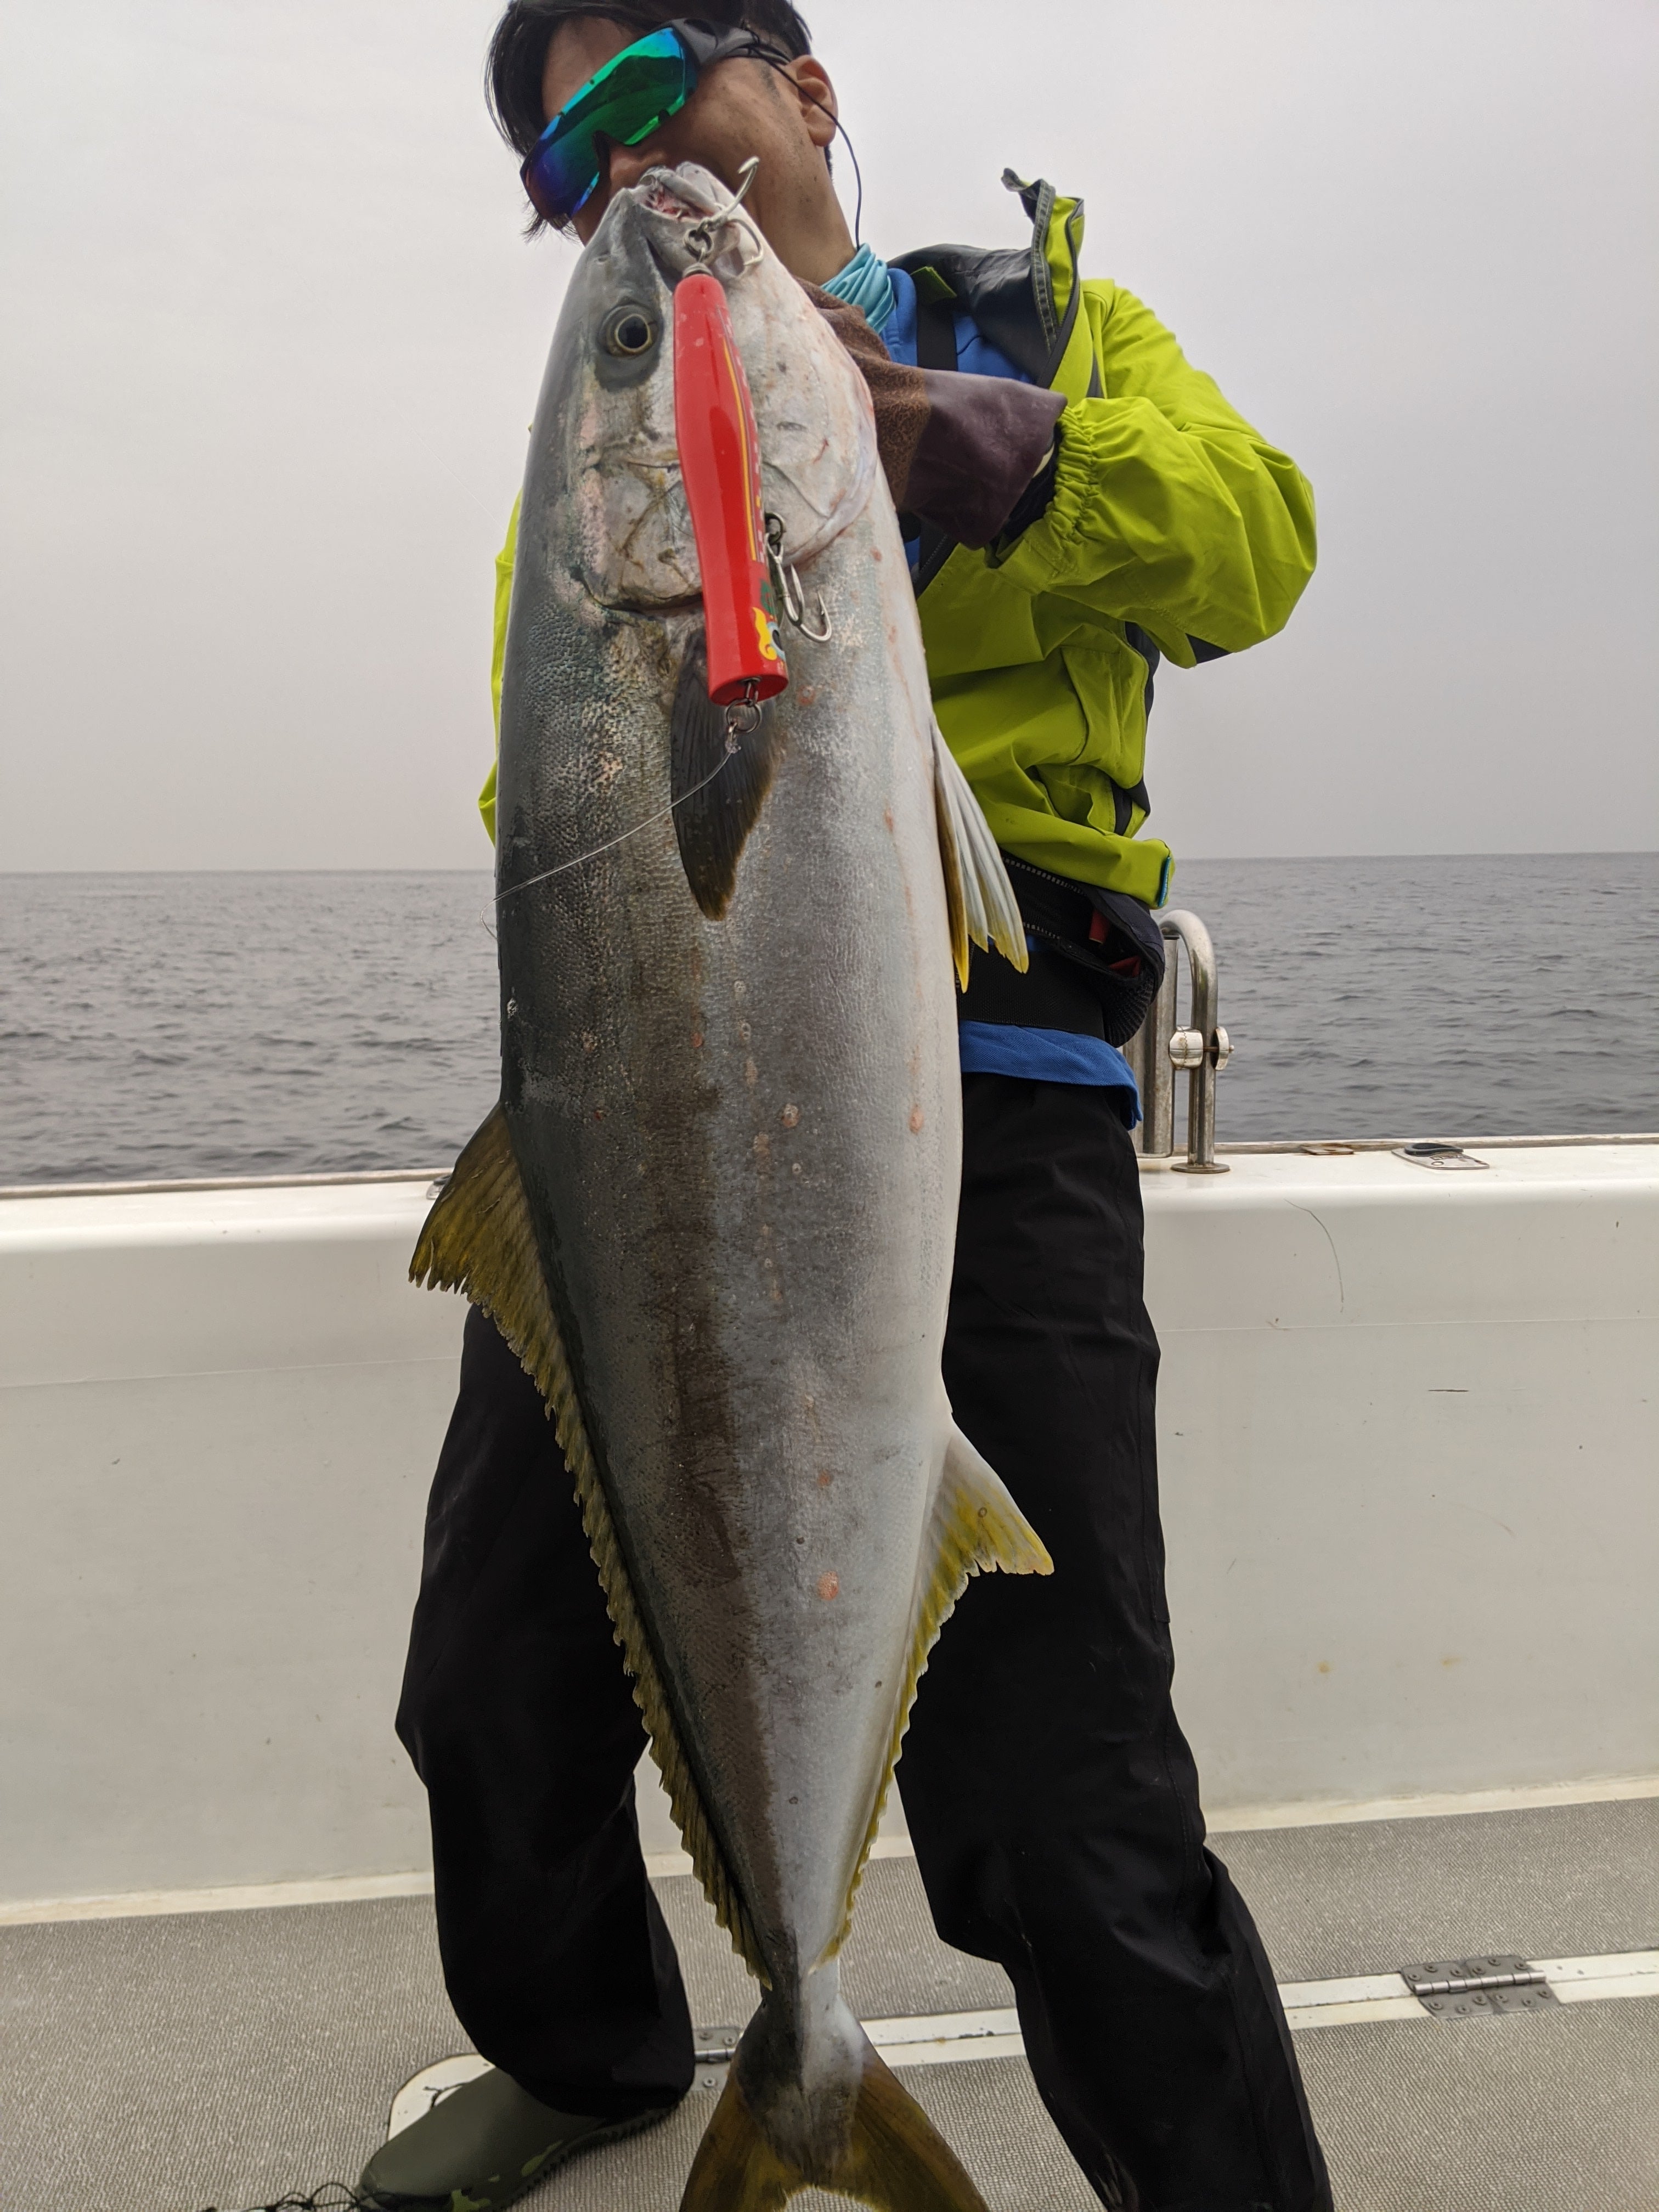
(896, 2159)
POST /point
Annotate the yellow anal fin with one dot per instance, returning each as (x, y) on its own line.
(976, 1526)
(480, 1238)
(977, 892)
(896, 2159)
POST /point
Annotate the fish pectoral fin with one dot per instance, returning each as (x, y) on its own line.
(480, 1238)
(977, 892)
(718, 783)
(894, 2160)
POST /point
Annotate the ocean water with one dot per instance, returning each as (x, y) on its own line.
(189, 1025)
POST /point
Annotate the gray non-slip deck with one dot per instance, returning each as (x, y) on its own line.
(1369, 1896)
(164, 2065)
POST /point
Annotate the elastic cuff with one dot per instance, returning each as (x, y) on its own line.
(1042, 553)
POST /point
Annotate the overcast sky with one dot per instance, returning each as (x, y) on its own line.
(271, 341)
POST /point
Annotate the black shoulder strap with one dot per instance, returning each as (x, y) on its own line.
(936, 332)
(936, 348)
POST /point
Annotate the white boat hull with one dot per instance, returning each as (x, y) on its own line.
(1410, 1453)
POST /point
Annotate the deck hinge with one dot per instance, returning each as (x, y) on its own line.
(717, 2046)
(1477, 1989)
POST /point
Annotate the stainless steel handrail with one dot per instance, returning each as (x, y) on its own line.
(1203, 1048)
(1147, 1052)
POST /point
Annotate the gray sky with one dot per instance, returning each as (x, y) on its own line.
(272, 342)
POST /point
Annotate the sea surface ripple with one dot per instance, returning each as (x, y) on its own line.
(155, 1026)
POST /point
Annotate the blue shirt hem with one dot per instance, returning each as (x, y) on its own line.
(1050, 1056)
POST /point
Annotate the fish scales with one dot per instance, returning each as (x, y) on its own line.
(737, 1139)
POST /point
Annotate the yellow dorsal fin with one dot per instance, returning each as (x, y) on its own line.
(479, 1238)
(977, 892)
(975, 1527)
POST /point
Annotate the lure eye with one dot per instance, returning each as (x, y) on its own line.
(628, 332)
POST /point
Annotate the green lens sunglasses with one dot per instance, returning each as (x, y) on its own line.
(634, 94)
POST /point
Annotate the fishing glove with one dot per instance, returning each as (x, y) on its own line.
(974, 455)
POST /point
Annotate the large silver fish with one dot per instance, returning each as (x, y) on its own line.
(714, 1211)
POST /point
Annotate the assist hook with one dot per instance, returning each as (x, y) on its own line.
(786, 582)
(700, 239)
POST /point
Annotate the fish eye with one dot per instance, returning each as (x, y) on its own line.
(628, 331)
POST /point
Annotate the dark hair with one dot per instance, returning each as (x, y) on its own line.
(518, 52)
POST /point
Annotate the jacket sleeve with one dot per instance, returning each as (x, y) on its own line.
(1168, 510)
(504, 561)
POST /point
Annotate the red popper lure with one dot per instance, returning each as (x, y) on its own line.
(720, 462)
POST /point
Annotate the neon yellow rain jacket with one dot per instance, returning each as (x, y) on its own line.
(1175, 531)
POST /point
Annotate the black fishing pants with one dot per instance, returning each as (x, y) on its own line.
(1048, 1789)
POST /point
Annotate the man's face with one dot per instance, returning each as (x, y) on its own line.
(739, 107)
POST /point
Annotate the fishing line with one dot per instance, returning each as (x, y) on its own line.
(851, 150)
(858, 176)
(333, 2197)
(610, 844)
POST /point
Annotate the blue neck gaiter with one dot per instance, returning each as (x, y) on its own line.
(864, 282)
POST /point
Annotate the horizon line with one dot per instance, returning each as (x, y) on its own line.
(1597, 852)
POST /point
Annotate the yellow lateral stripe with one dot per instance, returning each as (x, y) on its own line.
(748, 450)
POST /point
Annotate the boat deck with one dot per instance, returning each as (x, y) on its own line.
(169, 2063)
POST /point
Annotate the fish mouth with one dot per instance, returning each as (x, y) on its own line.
(685, 195)
(658, 193)
(693, 220)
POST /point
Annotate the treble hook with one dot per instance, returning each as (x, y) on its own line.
(786, 582)
(700, 239)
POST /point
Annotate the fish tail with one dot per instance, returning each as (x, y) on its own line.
(894, 2158)
(736, 2168)
(898, 2161)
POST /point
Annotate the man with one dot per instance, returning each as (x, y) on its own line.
(1077, 500)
